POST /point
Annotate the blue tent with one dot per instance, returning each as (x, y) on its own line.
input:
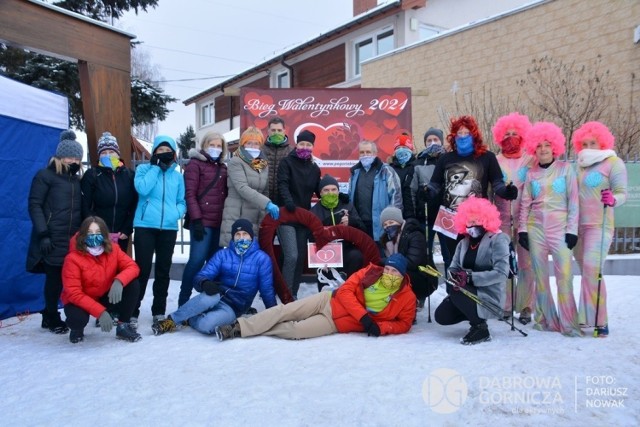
(30, 124)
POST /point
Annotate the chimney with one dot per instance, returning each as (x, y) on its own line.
(361, 6)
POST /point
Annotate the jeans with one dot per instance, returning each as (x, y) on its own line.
(205, 312)
(199, 253)
(146, 242)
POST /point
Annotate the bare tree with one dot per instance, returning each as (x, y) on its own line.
(143, 69)
(624, 122)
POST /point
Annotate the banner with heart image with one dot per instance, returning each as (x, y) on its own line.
(444, 222)
(340, 119)
(329, 256)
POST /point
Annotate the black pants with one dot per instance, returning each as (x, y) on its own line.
(146, 242)
(52, 290)
(457, 307)
(450, 249)
(352, 257)
(77, 318)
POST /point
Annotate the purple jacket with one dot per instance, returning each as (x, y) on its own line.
(198, 174)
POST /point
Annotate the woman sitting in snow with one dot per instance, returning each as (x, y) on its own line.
(480, 265)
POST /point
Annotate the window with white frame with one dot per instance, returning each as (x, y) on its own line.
(208, 114)
(283, 79)
(371, 46)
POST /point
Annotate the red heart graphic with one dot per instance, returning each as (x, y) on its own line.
(390, 123)
(371, 131)
(447, 223)
(258, 105)
(261, 124)
(332, 139)
(325, 255)
(393, 104)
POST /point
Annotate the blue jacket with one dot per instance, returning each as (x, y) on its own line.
(161, 201)
(386, 192)
(240, 277)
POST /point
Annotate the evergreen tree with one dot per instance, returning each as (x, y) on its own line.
(186, 141)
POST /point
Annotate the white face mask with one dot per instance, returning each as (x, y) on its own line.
(253, 152)
(475, 231)
(214, 152)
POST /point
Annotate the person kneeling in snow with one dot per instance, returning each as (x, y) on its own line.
(242, 269)
(480, 265)
(376, 300)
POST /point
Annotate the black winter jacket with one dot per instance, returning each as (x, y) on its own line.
(338, 212)
(274, 155)
(405, 173)
(111, 196)
(298, 179)
(54, 208)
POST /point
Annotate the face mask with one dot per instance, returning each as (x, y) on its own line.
(329, 200)
(367, 161)
(166, 158)
(214, 153)
(511, 146)
(109, 161)
(475, 231)
(94, 240)
(74, 168)
(464, 145)
(304, 153)
(403, 155)
(276, 138)
(434, 150)
(242, 245)
(392, 231)
(390, 281)
(253, 152)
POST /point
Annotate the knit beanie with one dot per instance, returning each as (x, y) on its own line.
(397, 261)
(436, 132)
(403, 141)
(251, 134)
(68, 146)
(327, 180)
(391, 213)
(108, 142)
(242, 225)
(306, 135)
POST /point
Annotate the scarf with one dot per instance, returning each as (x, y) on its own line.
(589, 156)
(257, 164)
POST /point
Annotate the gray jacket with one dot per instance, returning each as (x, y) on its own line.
(247, 197)
(491, 269)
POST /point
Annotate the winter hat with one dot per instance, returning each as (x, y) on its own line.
(242, 225)
(403, 141)
(306, 135)
(108, 142)
(391, 213)
(327, 180)
(436, 132)
(252, 133)
(397, 261)
(68, 146)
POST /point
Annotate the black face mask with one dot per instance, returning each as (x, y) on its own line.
(166, 158)
(74, 168)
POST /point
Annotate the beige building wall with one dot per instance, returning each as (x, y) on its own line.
(486, 60)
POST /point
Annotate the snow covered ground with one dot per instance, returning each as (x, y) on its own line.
(421, 378)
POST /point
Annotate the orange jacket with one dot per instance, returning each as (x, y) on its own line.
(348, 305)
(87, 278)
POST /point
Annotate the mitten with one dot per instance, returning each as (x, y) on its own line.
(370, 326)
(606, 196)
(46, 246)
(571, 240)
(523, 240)
(273, 210)
(197, 229)
(210, 287)
(106, 322)
(115, 293)
(291, 207)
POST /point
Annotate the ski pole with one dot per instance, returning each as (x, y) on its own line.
(429, 254)
(595, 329)
(513, 273)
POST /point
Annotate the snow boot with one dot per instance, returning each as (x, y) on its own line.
(125, 332)
(162, 326)
(525, 316)
(76, 336)
(477, 334)
(225, 332)
(602, 331)
(54, 323)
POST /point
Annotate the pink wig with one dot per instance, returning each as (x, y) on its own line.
(595, 130)
(545, 131)
(516, 121)
(478, 210)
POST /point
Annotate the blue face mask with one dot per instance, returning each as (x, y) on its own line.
(367, 161)
(242, 245)
(464, 145)
(214, 153)
(403, 155)
(434, 150)
(392, 231)
(94, 240)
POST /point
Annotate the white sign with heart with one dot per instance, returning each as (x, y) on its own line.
(330, 255)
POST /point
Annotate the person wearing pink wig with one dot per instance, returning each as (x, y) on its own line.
(548, 224)
(480, 265)
(602, 180)
(508, 133)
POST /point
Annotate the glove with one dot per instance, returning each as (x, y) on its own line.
(197, 229)
(154, 160)
(510, 192)
(461, 277)
(273, 210)
(607, 197)
(106, 322)
(210, 287)
(291, 207)
(46, 246)
(523, 240)
(571, 240)
(343, 197)
(370, 326)
(115, 293)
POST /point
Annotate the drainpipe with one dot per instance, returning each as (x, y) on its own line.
(290, 69)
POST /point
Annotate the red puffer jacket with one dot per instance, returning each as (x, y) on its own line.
(87, 278)
(348, 306)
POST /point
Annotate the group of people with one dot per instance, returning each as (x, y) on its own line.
(83, 223)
